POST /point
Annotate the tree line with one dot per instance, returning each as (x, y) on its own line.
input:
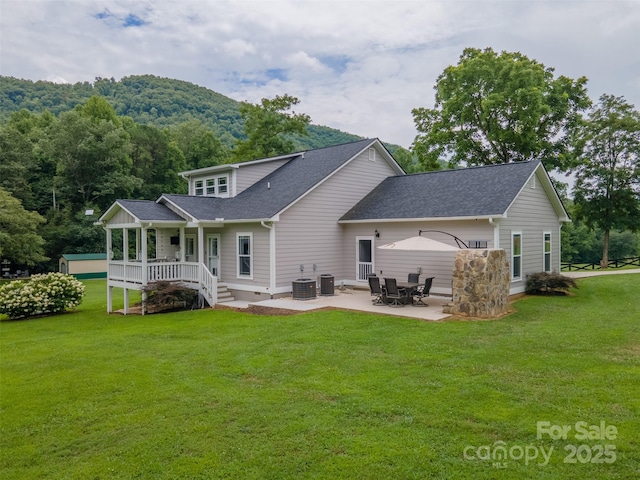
(59, 173)
(69, 150)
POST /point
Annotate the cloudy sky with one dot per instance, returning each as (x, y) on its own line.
(358, 66)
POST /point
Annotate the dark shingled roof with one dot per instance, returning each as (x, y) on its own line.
(468, 192)
(146, 210)
(273, 193)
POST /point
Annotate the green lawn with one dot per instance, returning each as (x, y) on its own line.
(219, 394)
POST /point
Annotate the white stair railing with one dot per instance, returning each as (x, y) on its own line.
(208, 285)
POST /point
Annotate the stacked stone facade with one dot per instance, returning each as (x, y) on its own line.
(480, 284)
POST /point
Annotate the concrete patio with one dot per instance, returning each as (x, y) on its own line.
(353, 299)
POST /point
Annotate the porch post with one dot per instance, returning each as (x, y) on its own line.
(109, 289)
(200, 245)
(125, 244)
(126, 301)
(145, 275)
(183, 245)
(109, 299)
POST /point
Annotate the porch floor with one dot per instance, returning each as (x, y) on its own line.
(353, 299)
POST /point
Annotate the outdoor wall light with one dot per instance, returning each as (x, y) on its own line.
(377, 233)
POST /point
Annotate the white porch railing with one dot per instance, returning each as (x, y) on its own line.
(186, 272)
(208, 285)
(197, 275)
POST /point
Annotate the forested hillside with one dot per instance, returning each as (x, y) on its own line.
(66, 150)
(149, 100)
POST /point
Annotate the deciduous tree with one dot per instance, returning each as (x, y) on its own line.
(498, 108)
(268, 127)
(607, 187)
(93, 162)
(19, 240)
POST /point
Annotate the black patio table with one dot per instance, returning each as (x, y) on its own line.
(408, 287)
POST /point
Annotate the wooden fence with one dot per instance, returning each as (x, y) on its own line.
(618, 263)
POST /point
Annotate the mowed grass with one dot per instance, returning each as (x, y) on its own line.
(334, 394)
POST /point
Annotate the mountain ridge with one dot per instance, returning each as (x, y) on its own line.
(152, 100)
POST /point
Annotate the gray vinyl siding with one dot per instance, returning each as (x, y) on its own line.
(229, 256)
(398, 264)
(308, 232)
(241, 178)
(245, 176)
(121, 218)
(532, 214)
(164, 249)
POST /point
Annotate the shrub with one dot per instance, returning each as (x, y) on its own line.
(544, 283)
(165, 295)
(40, 294)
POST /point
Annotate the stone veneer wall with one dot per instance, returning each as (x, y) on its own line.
(480, 284)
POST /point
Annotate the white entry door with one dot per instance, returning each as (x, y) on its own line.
(364, 252)
(213, 254)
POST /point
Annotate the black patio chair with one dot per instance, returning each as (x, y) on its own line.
(422, 292)
(413, 278)
(376, 290)
(393, 294)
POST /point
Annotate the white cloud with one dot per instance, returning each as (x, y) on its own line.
(238, 47)
(359, 66)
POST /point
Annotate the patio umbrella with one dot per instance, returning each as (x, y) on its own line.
(419, 243)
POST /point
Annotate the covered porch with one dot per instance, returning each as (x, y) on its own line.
(143, 249)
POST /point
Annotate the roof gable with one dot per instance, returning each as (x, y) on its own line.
(278, 190)
(485, 191)
(142, 211)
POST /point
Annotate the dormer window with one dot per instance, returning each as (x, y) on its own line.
(223, 185)
(216, 186)
(199, 190)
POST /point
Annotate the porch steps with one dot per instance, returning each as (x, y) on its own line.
(224, 295)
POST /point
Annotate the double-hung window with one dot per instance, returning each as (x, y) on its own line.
(245, 256)
(211, 187)
(546, 252)
(199, 188)
(223, 185)
(516, 256)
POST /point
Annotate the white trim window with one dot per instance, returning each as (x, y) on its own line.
(516, 256)
(216, 186)
(546, 252)
(244, 251)
(198, 188)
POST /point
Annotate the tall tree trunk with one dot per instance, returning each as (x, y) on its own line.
(604, 263)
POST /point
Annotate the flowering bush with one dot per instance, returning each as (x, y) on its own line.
(45, 293)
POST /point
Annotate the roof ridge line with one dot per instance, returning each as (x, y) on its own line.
(473, 167)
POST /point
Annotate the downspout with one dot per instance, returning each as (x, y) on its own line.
(272, 256)
(559, 242)
(496, 232)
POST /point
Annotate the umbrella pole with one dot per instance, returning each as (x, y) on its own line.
(460, 243)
